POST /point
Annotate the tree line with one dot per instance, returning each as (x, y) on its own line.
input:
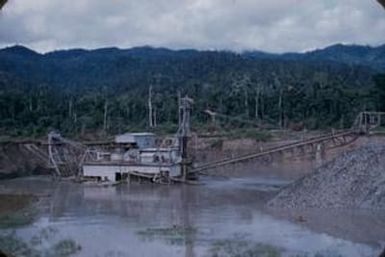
(108, 94)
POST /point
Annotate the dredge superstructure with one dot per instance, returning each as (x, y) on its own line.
(129, 156)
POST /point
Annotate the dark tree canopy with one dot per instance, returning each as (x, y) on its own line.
(2, 3)
(382, 2)
(380, 91)
(80, 91)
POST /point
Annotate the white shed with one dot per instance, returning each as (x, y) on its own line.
(142, 139)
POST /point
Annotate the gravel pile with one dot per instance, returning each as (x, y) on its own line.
(353, 180)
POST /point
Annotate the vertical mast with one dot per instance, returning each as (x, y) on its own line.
(150, 115)
(183, 133)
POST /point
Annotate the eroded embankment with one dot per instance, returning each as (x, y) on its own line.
(355, 179)
(17, 160)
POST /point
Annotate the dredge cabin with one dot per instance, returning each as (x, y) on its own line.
(133, 155)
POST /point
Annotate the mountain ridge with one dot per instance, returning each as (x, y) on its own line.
(111, 64)
(337, 46)
(370, 56)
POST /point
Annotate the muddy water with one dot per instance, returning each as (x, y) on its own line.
(223, 217)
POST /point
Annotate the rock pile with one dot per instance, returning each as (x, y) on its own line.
(354, 180)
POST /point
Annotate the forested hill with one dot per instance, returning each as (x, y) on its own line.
(106, 89)
(373, 57)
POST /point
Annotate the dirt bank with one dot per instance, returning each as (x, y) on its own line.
(355, 179)
(289, 165)
(17, 160)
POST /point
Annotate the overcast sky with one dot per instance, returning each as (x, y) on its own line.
(269, 25)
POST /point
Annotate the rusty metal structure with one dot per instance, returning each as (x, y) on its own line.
(364, 124)
(312, 145)
(183, 134)
(367, 121)
(64, 156)
(68, 158)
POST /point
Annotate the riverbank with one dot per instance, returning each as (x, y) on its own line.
(17, 160)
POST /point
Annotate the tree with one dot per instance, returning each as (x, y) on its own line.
(380, 91)
(2, 3)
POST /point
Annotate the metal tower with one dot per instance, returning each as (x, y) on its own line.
(183, 133)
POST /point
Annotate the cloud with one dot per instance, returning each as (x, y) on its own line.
(276, 26)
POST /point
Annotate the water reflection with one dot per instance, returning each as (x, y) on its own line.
(109, 221)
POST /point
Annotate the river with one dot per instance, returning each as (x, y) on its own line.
(221, 217)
